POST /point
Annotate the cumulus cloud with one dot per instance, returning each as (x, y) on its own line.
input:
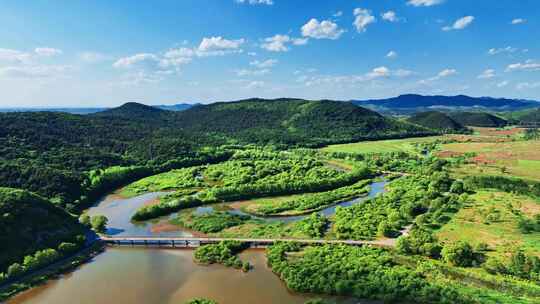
(424, 2)
(277, 43)
(338, 14)
(508, 49)
(255, 2)
(487, 74)
(127, 62)
(47, 51)
(460, 24)
(325, 29)
(528, 66)
(280, 43)
(381, 72)
(392, 54)
(518, 21)
(362, 19)
(390, 16)
(442, 74)
(219, 44)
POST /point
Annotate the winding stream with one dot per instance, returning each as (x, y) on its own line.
(168, 276)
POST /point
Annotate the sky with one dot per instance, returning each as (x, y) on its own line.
(75, 53)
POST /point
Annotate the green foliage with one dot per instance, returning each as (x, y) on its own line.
(478, 119)
(419, 242)
(503, 183)
(212, 222)
(29, 223)
(362, 272)
(99, 223)
(520, 265)
(437, 121)
(315, 201)
(278, 174)
(223, 253)
(314, 225)
(458, 254)
(406, 198)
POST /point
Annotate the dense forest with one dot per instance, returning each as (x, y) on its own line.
(437, 121)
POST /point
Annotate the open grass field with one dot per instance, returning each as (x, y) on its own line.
(382, 146)
(513, 158)
(492, 219)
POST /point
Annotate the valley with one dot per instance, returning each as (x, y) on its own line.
(424, 208)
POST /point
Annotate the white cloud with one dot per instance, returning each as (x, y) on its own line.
(255, 2)
(460, 24)
(507, 49)
(247, 72)
(92, 57)
(279, 43)
(127, 62)
(392, 54)
(252, 54)
(446, 73)
(503, 84)
(139, 78)
(300, 41)
(47, 51)
(527, 85)
(518, 21)
(338, 14)
(325, 29)
(33, 71)
(528, 65)
(442, 74)
(362, 19)
(424, 2)
(264, 64)
(217, 44)
(390, 16)
(487, 74)
(377, 73)
(255, 85)
(9, 55)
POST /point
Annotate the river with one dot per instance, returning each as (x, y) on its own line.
(163, 276)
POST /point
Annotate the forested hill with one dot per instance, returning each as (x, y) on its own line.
(478, 119)
(54, 154)
(416, 103)
(29, 223)
(292, 121)
(437, 121)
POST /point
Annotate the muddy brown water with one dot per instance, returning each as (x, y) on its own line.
(160, 276)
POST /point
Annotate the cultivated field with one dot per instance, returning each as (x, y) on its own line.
(493, 219)
(382, 146)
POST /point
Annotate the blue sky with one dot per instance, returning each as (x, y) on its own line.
(104, 53)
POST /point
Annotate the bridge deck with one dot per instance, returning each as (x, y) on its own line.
(198, 241)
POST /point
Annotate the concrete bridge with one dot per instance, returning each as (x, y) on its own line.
(193, 242)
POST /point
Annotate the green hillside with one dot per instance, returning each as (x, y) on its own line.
(436, 121)
(478, 119)
(292, 121)
(29, 223)
(53, 154)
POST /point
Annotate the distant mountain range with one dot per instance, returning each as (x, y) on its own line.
(84, 111)
(411, 103)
